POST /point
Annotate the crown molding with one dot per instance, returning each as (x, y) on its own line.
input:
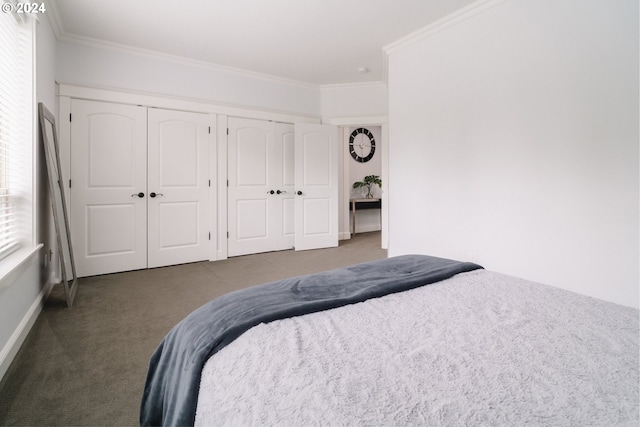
(440, 25)
(54, 18)
(152, 54)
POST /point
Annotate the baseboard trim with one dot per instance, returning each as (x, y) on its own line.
(16, 340)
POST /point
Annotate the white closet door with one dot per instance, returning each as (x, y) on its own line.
(316, 171)
(251, 154)
(178, 184)
(108, 171)
(284, 206)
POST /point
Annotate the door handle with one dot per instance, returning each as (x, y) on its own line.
(154, 195)
(280, 192)
(299, 193)
(140, 194)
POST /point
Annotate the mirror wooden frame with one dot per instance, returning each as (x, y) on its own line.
(56, 188)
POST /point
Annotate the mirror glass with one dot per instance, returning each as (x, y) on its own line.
(56, 189)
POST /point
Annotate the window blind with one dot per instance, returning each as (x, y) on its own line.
(16, 129)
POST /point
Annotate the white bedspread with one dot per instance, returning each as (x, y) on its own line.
(478, 349)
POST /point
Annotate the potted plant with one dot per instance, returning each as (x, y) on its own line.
(368, 182)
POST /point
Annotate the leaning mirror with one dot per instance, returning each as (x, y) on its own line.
(60, 218)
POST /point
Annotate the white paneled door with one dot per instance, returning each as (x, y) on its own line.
(139, 192)
(316, 171)
(286, 179)
(108, 214)
(283, 192)
(260, 193)
(178, 185)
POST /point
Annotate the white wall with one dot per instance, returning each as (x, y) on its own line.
(514, 141)
(92, 65)
(20, 304)
(353, 100)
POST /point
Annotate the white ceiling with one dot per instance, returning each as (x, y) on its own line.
(320, 42)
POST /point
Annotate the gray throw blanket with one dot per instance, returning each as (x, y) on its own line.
(171, 391)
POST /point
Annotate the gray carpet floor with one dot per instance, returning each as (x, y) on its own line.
(87, 365)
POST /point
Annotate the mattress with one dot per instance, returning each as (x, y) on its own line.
(479, 348)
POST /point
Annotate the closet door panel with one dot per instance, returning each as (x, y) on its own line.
(284, 179)
(252, 217)
(251, 156)
(268, 164)
(316, 186)
(287, 136)
(102, 237)
(289, 220)
(108, 171)
(178, 182)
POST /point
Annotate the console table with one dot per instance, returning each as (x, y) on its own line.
(362, 204)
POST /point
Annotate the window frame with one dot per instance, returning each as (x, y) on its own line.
(18, 173)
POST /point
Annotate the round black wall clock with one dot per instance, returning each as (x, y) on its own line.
(362, 145)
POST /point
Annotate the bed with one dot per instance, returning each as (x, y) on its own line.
(410, 340)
